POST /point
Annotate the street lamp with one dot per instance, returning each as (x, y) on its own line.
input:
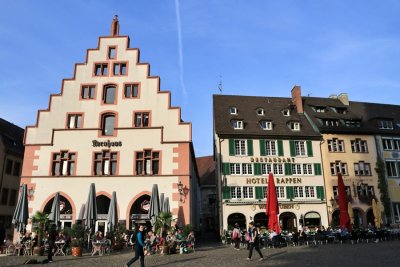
(181, 193)
(31, 192)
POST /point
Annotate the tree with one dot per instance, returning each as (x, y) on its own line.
(39, 222)
(163, 223)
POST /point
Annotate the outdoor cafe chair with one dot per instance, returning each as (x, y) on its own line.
(96, 248)
(28, 249)
(19, 247)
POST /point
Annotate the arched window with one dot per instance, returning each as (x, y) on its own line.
(108, 124)
(109, 94)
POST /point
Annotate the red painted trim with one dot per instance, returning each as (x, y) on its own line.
(139, 84)
(94, 69)
(141, 111)
(51, 163)
(67, 197)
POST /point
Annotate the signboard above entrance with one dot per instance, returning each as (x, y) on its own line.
(272, 160)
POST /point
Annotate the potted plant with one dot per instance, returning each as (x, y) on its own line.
(77, 240)
(39, 223)
(163, 225)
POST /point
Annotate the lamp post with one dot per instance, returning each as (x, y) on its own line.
(31, 192)
(181, 193)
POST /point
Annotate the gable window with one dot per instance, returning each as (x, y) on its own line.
(142, 119)
(341, 110)
(338, 167)
(359, 146)
(362, 168)
(335, 145)
(266, 125)
(101, 69)
(111, 52)
(105, 163)
(108, 124)
(17, 168)
(280, 192)
(286, 112)
(233, 111)
(236, 192)
(88, 91)
(385, 124)
(147, 162)
(248, 192)
(393, 168)
(9, 166)
(131, 90)
(260, 112)
(109, 94)
(294, 126)
(240, 147)
(237, 124)
(270, 147)
(63, 163)
(119, 69)
(300, 148)
(352, 123)
(74, 121)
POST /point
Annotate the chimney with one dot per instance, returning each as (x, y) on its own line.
(333, 96)
(115, 26)
(296, 98)
(344, 98)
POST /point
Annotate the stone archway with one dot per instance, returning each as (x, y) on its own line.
(66, 211)
(237, 218)
(261, 220)
(288, 222)
(139, 211)
(312, 219)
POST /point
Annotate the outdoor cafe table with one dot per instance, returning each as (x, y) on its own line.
(59, 248)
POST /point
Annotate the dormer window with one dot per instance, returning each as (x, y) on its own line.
(330, 122)
(341, 110)
(238, 125)
(233, 111)
(260, 112)
(320, 109)
(353, 123)
(266, 125)
(385, 124)
(294, 126)
(286, 112)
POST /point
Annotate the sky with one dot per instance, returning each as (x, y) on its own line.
(250, 47)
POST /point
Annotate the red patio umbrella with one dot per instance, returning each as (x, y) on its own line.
(272, 209)
(342, 199)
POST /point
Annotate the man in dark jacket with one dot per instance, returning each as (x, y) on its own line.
(51, 239)
(138, 248)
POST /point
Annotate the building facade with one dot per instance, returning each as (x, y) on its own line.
(254, 136)
(11, 157)
(111, 125)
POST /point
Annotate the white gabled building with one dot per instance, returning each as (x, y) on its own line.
(111, 125)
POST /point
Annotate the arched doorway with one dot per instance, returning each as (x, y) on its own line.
(237, 218)
(65, 211)
(139, 212)
(102, 203)
(261, 220)
(288, 222)
(358, 218)
(335, 218)
(370, 217)
(312, 219)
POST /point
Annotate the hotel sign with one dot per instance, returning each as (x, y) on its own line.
(107, 143)
(272, 160)
(277, 181)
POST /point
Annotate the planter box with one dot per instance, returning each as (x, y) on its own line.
(76, 251)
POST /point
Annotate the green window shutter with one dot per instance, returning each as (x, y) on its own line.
(320, 192)
(257, 168)
(249, 147)
(317, 169)
(309, 148)
(289, 192)
(231, 147)
(226, 192)
(259, 192)
(262, 148)
(288, 169)
(292, 149)
(280, 148)
(226, 168)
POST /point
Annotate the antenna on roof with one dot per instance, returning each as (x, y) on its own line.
(220, 84)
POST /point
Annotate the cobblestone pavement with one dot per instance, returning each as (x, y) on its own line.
(366, 255)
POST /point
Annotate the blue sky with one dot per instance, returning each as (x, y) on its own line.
(257, 47)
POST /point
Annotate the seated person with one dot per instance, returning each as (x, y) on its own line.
(190, 239)
(171, 242)
(60, 237)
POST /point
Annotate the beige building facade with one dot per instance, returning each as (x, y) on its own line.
(111, 125)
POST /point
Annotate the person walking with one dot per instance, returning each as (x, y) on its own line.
(254, 242)
(236, 236)
(138, 248)
(52, 236)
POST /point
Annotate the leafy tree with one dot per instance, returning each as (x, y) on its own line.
(40, 221)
